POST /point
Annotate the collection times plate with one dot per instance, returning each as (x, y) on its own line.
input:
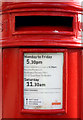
(43, 80)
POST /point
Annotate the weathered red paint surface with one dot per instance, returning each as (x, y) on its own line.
(41, 38)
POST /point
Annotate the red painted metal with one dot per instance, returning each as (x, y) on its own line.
(21, 80)
(0, 83)
(15, 43)
(12, 84)
(62, 38)
(82, 90)
(72, 5)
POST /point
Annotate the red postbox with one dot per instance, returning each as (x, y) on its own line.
(42, 60)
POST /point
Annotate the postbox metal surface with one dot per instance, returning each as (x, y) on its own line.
(42, 60)
(48, 104)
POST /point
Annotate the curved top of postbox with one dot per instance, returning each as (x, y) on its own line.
(23, 33)
(73, 5)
